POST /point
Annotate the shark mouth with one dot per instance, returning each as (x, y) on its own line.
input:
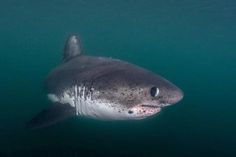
(143, 110)
(156, 106)
(151, 106)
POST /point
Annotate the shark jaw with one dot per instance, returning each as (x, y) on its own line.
(143, 111)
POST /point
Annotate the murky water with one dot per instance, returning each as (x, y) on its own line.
(191, 43)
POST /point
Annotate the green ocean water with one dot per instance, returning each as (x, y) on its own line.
(191, 43)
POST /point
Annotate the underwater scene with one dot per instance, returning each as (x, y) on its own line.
(190, 43)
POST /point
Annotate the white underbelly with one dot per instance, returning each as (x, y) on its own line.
(86, 106)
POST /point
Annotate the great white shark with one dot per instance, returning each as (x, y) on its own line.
(102, 88)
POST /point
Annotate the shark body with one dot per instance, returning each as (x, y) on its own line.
(102, 88)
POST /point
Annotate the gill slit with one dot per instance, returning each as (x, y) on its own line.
(82, 99)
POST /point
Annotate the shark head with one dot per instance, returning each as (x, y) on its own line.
(135, 92)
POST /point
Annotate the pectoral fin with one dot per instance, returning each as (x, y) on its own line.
(51, 115)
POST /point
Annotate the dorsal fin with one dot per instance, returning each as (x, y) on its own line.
(72, 48)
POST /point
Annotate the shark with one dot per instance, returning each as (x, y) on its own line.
(102, 88)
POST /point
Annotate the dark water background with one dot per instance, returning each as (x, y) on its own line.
(192, 43)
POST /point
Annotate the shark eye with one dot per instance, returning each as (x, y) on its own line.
(154, 91)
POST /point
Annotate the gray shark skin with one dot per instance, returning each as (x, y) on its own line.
(102, 88)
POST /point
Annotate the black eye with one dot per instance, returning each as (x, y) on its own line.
(154, 91)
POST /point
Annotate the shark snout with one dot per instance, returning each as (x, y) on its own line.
(175, 96)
